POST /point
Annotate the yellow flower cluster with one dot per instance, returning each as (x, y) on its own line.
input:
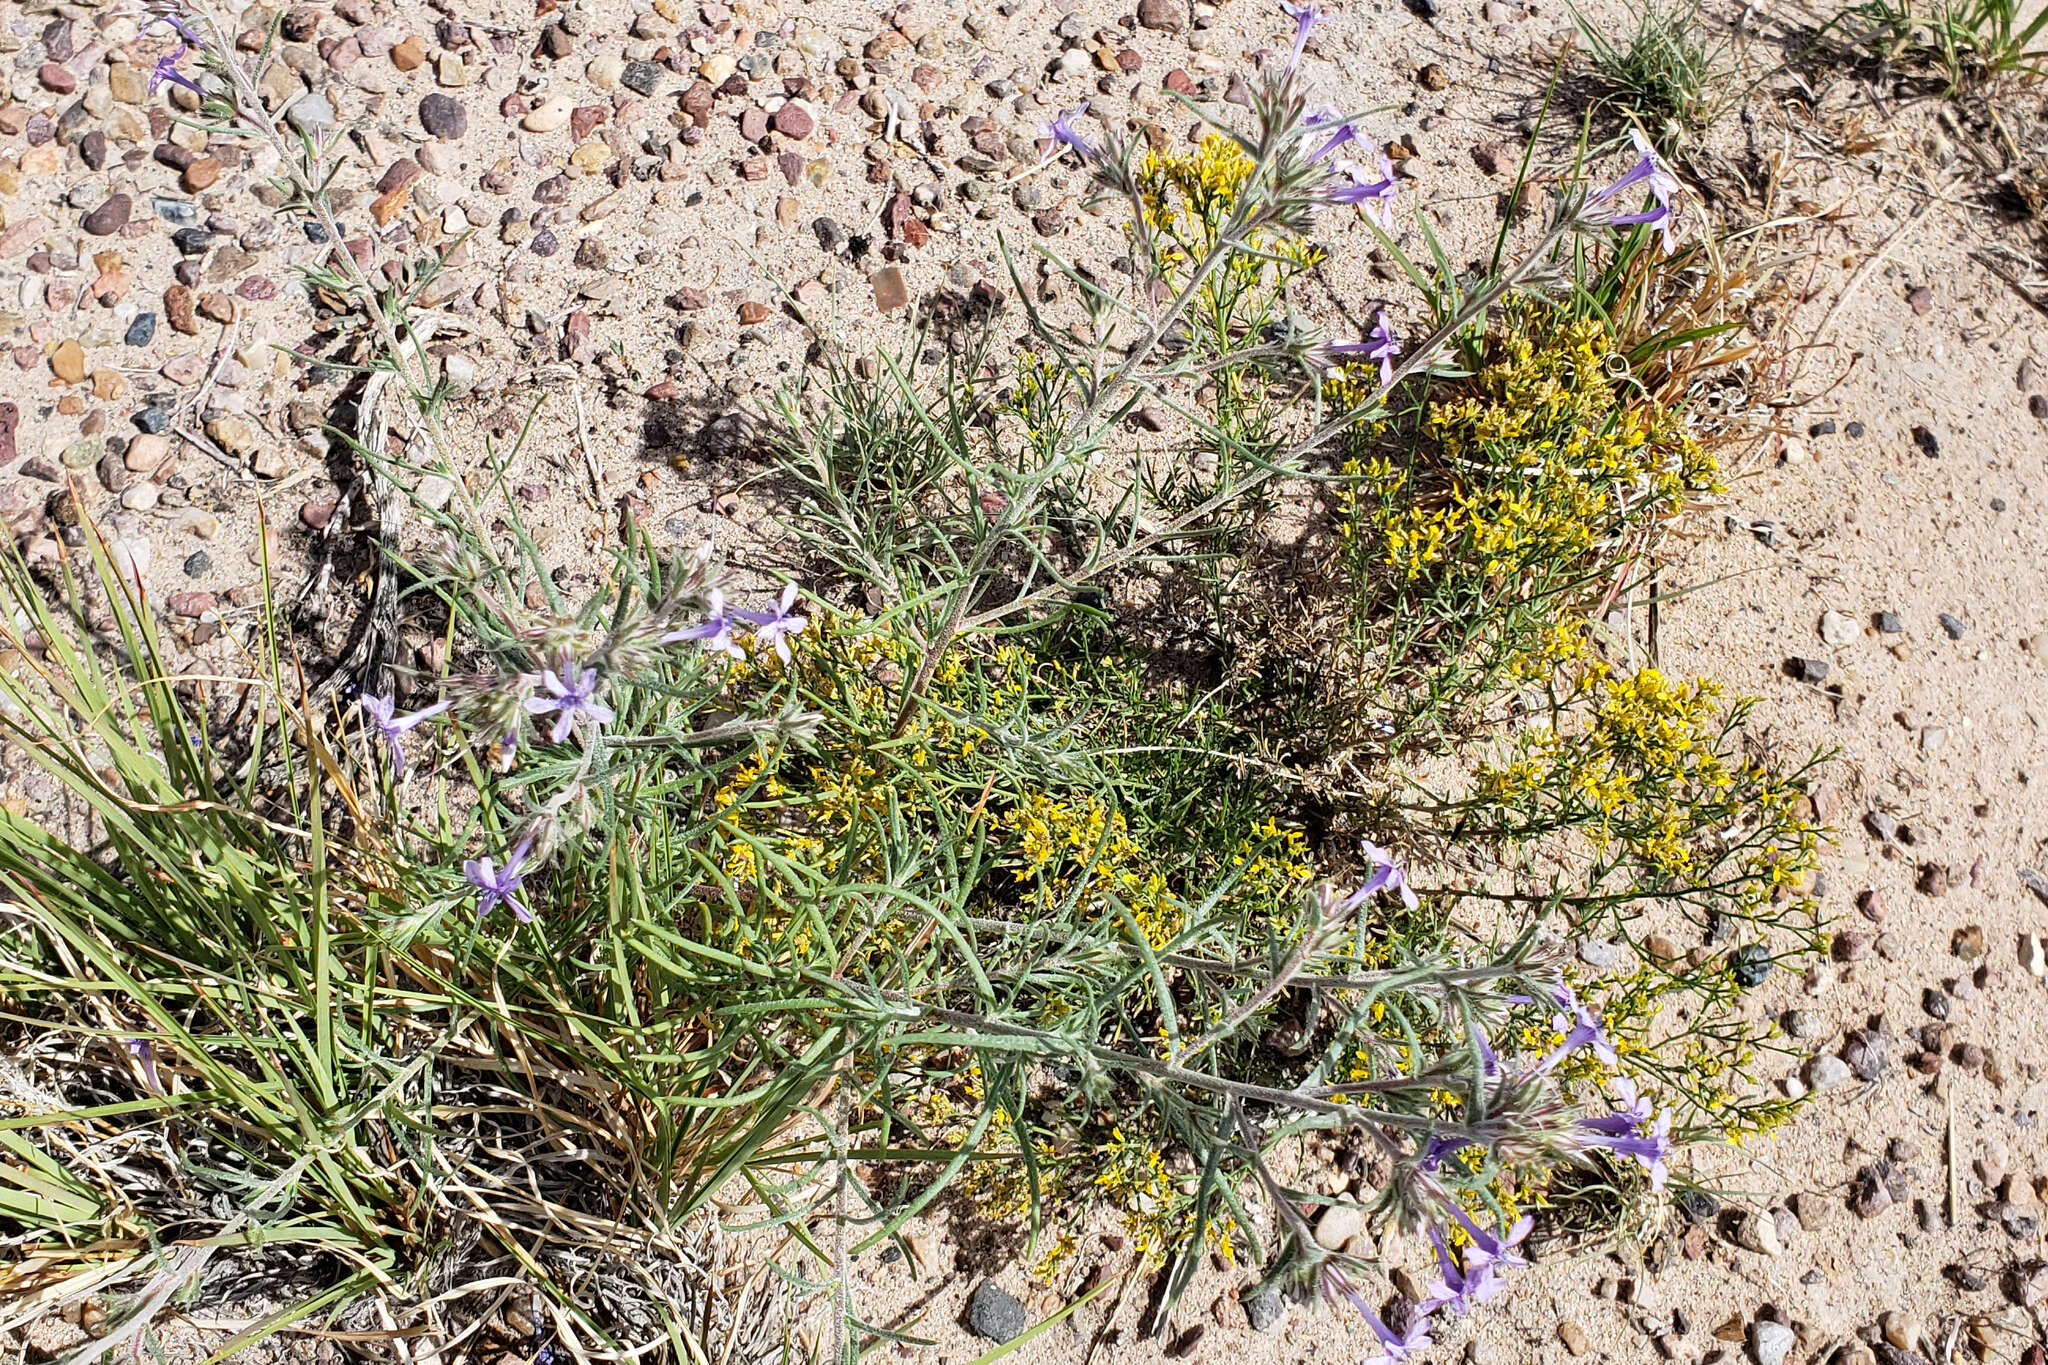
(1648, 763)
(1545, 457)
(1188, 196)
(1132, 1176)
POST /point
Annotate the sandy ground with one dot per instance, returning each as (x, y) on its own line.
(1942, 735)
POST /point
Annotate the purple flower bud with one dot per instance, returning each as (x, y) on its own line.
(143, 1050)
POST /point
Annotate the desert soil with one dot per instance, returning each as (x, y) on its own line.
(663, 203)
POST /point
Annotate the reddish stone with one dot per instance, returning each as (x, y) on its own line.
(586, 117)
(793, 122)
(179, 309)
(193, 604)
(257, 287)
(1180, 82)
(754, 124)
(56, 78)
(403, 171)
(753, 314)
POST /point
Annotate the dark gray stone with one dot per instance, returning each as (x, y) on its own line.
(994, 1313)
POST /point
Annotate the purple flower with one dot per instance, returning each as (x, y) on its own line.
(1632, 1133)
(1374, 198)
(177, 22)
(574, 696)
(496, 888)
(166, 69)
(143, 1050)
(1650, 172)
(1384, 351)
(772, 629)
(1581, 1027)
(1498, 1252)
(1061, 131)
(1386, 876)
(1460, 1288)
(715, 630)
(1305, 18)
(1394, 1348)
(392, 728)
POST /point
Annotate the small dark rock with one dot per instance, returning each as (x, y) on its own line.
(153, 420)
(1964, 1278)
(1162, 15)
(1750, 965)
(1929, 443)
(142, 331)
(1696, 1206)
(1934, 1000)
(640, 77)
(1822, 428)
(1808, 670)
(197, 564)
(1888, 623)
(1953, 625)
(110, 217)
(995, 1313)
(443, 117)
(1876, 1188)
(1264, 1308)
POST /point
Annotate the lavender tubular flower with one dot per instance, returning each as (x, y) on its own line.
(1499, 1251)
(1386, 876)
(1460, 1288)
(392, 728)
(1649, 171)
(715, 630)
(1581, 1027)
(1061, 131)
(1375, 198)
(773, 629)
(1633, 1133)
(574, 697)
(1394, 1347)
(1384, 350)
(1305, 17)
(166, 69)
(495, 887)
(169, 15)
(143, 1050)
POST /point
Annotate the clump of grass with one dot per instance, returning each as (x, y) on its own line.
(1960, 45)
(1661, 70)
(948, 869)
